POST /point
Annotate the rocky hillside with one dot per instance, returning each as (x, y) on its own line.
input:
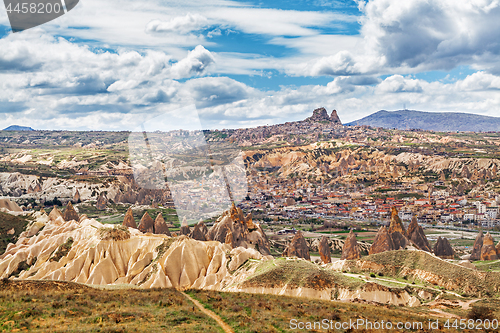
(433, 121)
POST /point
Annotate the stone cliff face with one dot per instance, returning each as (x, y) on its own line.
(334, 118)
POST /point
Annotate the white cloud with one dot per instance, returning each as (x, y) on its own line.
(181, 24)
(196, 63)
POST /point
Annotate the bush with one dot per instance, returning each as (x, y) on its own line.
(118, 232)
(372, 275)
(480, 312)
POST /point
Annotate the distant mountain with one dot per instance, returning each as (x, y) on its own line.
(18, 128)
(433, 121)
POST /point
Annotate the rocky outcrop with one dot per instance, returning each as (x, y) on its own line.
(334, 118)
(76, 197)
(319, 115)
(478, 246)
(146, 224)
(199, 232)
(56, 214)
(443, 249)
(129, 220)
(417, 236)
(397, 231)
(101, 203)
(70, 213)
(185, 230)
(324, 250)
(242, 230)
(488, 251)
(350, 251)
(160, 227)
(297, 247)
(7, 205)
(383, 242)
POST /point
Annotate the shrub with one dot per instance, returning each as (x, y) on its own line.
(118, 232)
(480, 312)
(372, 275)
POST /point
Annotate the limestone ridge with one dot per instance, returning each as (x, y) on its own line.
(417, 236)
(236, 229)
(321, 115)
(350, 251)
(478, 245)
(297, 248)
(443, 249)
(324, 250)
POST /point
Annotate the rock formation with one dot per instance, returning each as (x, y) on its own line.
(146, 224)
(76, 197)
(101, 202)
(199, 232)
(443, 249)
(70, 213)
(243, 231)
(185, 230)
(383, 242)
(160, 226)
(297, 247)
(129, 220)
(417, 236)
(478, 245)
(6, 204)
(488, 250)
(55, 214)
(334, 118)
(319, 115)
(350, 251)
(397, 231)
(324, 250)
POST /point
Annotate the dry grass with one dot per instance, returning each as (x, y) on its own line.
(117, 233)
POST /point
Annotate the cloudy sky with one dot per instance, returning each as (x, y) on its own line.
(110, 65)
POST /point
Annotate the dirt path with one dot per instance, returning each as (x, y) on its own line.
(209, 313)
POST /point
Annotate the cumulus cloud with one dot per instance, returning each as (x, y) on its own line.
(196, 63)
(181, 24)
(398, 84)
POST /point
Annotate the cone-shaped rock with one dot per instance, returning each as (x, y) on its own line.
(146, 224)
(488, 251)
(76, 197)
(443, 249)
(185, 230)
(199, 232)
(70, 213)
(478, 246)
(129, 220)
(297, 247)
(417, 236)
(55, 213)
(350, 250)
(241, 229)
(101, 202)
(383, 242)
(397, 231)
(324, 250)
(160, 226)
(498, 249)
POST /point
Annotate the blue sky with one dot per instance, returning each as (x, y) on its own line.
(106, 65)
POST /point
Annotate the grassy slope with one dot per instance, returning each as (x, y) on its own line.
(48, 306)
(7, 222)
(396, 260)
(300, 273)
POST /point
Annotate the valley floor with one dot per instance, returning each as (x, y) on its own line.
(52, 306)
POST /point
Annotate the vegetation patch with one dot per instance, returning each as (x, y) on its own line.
(7, 223)
(62, 250)
(117, 233)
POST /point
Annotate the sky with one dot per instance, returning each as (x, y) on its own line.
(115, 64)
